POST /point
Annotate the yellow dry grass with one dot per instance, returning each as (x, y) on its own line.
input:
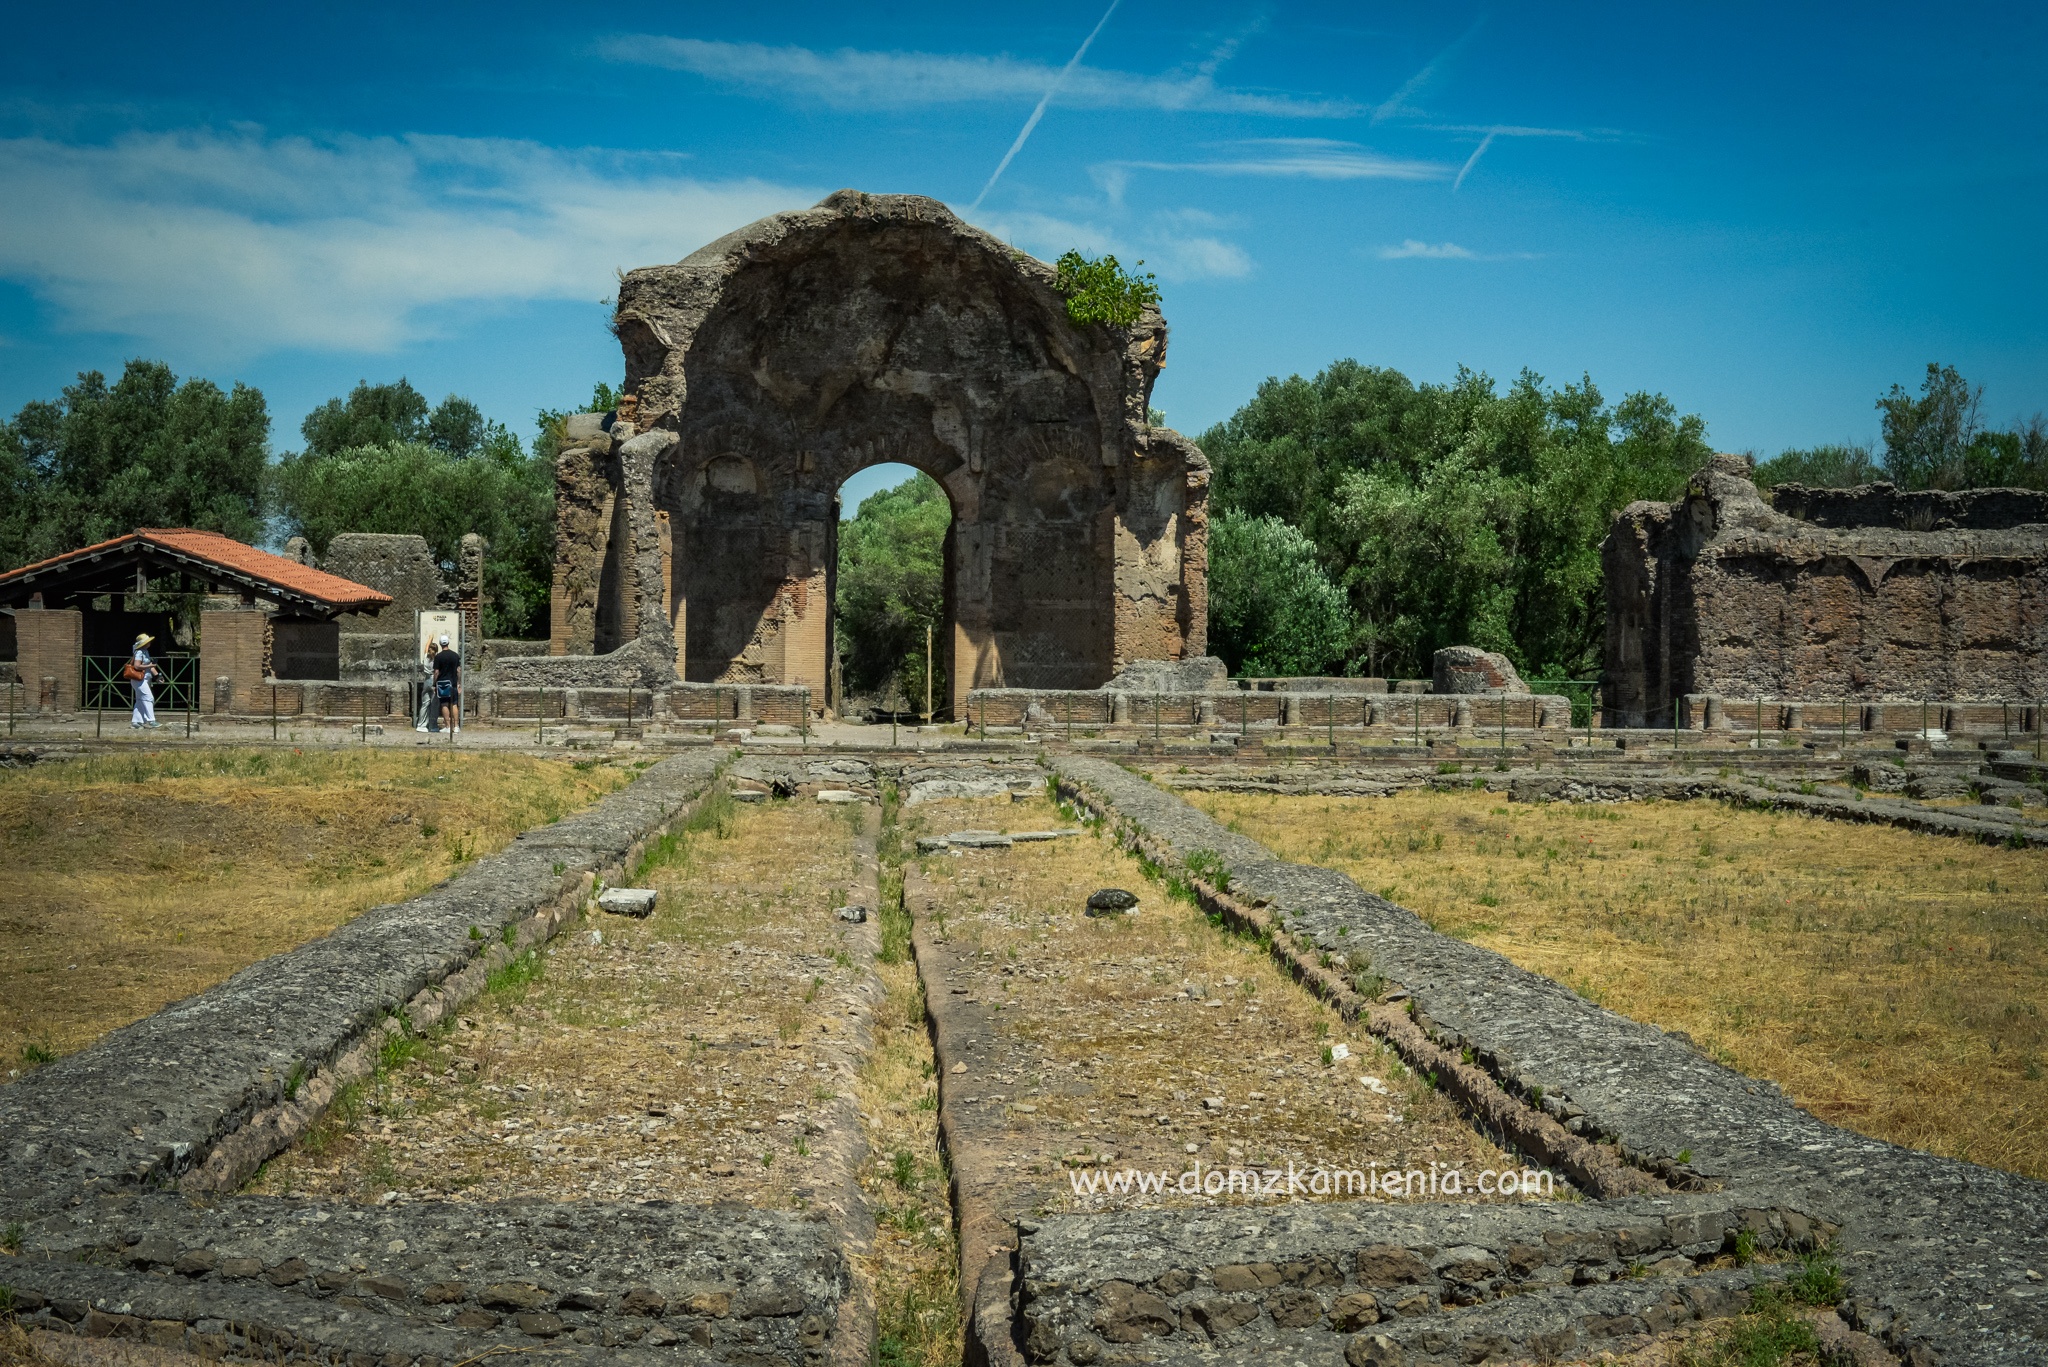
(1133, 1037)
(914, 1256)
(683, 1057)
(137, 880)
(1891, 982)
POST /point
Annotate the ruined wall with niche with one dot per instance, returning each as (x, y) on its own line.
(697, 525)
(1824, 594)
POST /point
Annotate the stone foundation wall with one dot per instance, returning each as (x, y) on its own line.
(116, 1165)
(1675, 1157)
(1048, 709)
(1863, 594)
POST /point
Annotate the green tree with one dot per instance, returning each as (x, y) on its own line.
(1271, 609)
(1821, 467)
(890, 587)
(1925, 439)
(1451, 514)
(381, 460)
(392, 414)
(1937, 441)
(145, 451)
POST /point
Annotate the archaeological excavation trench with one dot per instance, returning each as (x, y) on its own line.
(875, 1082)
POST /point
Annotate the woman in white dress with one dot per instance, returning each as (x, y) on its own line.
(140, 672)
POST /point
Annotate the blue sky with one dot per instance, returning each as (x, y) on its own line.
(1769, 213)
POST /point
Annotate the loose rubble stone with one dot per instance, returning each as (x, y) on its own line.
(1110, 901)
(635, 902)
(855, 913)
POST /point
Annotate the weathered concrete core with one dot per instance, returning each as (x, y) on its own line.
(697, 524)
(1824, 595)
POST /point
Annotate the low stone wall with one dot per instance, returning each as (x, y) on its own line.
(1052, 709)
(113, 1161)
(1936, 1252)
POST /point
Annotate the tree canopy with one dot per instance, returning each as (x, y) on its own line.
(1271, 607)
(145, 451)
(1935, 441)
(1447, 514)
(381, 460)
(890, 587)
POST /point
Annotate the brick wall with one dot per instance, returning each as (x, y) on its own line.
(47, 644)
(232, 642)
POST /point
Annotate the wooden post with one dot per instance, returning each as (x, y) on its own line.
(273, 711)
(927, 673)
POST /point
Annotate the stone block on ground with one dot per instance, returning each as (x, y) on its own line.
(1468, 669)
(1110, 901)
(978, 840)
(636, 902)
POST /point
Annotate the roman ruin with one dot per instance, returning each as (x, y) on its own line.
(1824, 596)
(696, 526)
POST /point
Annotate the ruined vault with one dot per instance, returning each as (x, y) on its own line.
(697, 524)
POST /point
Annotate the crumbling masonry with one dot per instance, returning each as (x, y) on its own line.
(1823, 596)
(696, 533)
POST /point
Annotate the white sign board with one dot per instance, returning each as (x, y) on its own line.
(436, 623)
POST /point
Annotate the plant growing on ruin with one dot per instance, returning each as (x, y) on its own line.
(1102, 291)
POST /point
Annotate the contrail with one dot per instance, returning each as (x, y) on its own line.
(1472, 161)
(1039, 112)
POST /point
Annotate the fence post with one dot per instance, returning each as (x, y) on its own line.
(804, 721)
(1759, 721)
(1155, 720)
(1418, 722)
(1330, 720)
(273, 711)
(11, 686)
(365, 696)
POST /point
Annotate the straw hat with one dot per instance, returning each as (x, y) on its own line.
(144, 639)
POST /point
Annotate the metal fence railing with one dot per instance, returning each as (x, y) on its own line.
(104, 689)
(1584, 695)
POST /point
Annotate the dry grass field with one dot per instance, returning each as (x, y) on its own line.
(1893, 983)
(677, 1058)
(1151, 1037)
(137, 880)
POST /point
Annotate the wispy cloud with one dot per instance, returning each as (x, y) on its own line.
(1397, 103)
(853, 79)
(1472, 161)
(1414, 249)
(1307, 158)
(231, 244)
(1171, 243)
(1038, 111)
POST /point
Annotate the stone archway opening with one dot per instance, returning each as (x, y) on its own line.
(697, 527)
(890, 586)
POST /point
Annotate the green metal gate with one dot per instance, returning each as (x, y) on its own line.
(105, 689)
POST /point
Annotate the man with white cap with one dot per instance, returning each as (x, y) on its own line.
(448, 685)
(138, 672)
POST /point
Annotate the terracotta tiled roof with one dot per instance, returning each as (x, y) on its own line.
(239, 560)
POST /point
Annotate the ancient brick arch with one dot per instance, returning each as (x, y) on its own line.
(697, 524)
